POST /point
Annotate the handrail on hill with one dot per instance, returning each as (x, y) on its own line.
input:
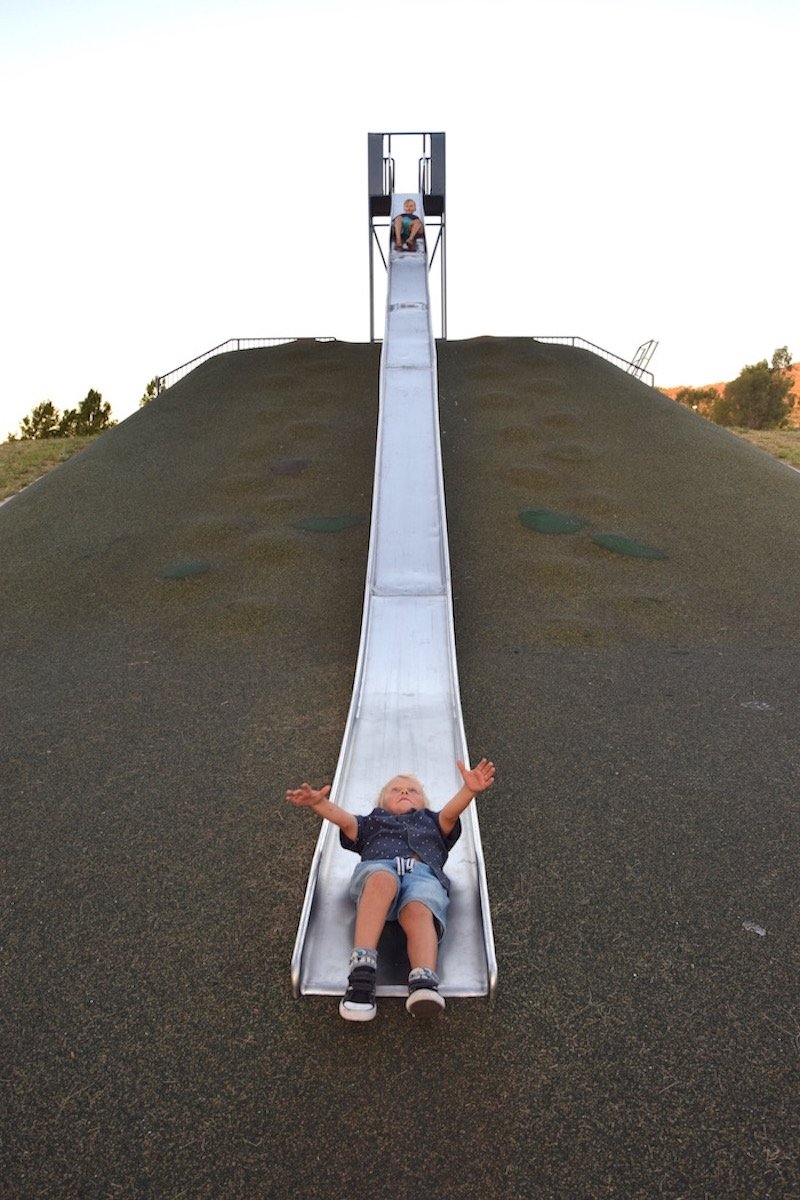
(165, 381)
(632, 368)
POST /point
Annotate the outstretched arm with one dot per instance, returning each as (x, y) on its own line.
(477, 779)
(308, 797)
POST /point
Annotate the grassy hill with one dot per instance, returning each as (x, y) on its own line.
(23, 462)
(181, 613)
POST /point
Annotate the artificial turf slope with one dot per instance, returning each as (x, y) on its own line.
(180, 621)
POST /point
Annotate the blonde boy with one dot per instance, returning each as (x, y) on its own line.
(403, 846)
(407, 227)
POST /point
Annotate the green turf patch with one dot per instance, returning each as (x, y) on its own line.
(545, 520)
(326, 524)
(184, 570)
(626, 546)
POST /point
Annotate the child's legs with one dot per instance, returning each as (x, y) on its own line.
(417, 900)
(376, 899)
(421, 942)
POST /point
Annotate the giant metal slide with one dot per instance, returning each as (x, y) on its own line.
(405, 714)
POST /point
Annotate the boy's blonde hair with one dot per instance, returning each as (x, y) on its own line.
(403, 775)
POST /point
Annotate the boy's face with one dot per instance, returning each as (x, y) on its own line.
(409, 206)
(402, 795)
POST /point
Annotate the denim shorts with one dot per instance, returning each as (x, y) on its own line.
(419, 884)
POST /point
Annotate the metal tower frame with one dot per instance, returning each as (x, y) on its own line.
(431, 188)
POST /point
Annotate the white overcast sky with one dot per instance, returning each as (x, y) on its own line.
(177, 172)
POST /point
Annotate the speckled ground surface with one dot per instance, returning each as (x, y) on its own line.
(178, 645)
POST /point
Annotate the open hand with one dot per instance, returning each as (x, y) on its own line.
(480, 777)
(305, 796)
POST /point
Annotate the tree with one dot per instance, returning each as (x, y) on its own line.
(41, 422)
(150, 393)
(92, 415)
(760, 397)
(700, 399)
(725, 410)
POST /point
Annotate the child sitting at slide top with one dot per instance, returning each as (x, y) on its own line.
(403, 847)
(407, 227)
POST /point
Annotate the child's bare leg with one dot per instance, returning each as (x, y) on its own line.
(413, 234)
(376, 900)
(417, 923)
(424, 999)
(377, 897)
(398, 232)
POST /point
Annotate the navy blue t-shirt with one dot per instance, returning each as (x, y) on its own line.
(383, 835)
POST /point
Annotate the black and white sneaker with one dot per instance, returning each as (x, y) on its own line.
(358, 1002)
(423, 993)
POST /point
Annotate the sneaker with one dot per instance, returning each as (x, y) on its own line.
(358, 1002)
(423, 993)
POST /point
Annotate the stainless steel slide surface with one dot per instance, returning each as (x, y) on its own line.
(405, 714)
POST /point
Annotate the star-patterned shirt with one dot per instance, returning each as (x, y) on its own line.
(382, 835)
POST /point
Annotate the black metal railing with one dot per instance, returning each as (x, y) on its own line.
(632, 368)
(165, 381)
